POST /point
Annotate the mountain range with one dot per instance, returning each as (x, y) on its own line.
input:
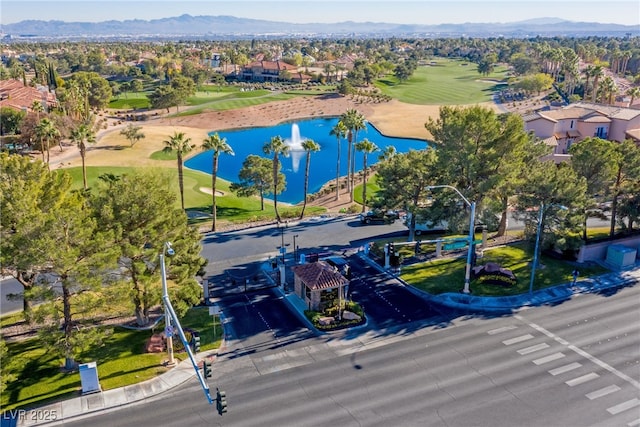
(213, 27)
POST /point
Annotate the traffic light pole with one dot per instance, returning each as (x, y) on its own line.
(185, 343)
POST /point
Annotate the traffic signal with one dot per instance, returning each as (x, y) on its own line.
(221, 398)
(206, 368)
(195, 343)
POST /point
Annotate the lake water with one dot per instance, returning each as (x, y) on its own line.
(323, 163)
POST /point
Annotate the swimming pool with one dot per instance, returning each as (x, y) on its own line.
(323, 163)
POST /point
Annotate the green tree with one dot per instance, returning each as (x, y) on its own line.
(339, 131)
(181, 145)
(354, 121)
(276, 147)
(80, 257)
(10, 120)
(164, 97)
(562, 193)
(132, 133)
(256, 177)
(309, 146)
(366, 147)
(138, 209)
(95, 89)
(81, 136)
(403, 181)
(626, 184)
(183, 87)
(594, 160)
(28, 196)
(218, 146)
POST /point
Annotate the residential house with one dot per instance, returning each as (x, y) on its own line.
(14, 94)
(566, 126)
(266, 71)
(319, 284)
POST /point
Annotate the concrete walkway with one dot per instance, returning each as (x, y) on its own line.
(56, 413)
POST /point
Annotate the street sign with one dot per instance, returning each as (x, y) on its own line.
(283, 251)
(168, 332)
(214, 310)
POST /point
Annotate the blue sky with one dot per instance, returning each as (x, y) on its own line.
(327, 11)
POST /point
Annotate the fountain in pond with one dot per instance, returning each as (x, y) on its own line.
(295, 146)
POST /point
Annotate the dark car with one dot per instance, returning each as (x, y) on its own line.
(384, 217)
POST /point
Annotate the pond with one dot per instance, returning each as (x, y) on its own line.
(323, 163)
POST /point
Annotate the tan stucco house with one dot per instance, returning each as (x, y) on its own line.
(318, 284)
(564, 127)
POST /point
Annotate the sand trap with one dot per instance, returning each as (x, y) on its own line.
(208, 190)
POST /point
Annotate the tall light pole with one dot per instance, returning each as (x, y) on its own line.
(472, 205)
(295, 250)
(534, 264)
(168, 329)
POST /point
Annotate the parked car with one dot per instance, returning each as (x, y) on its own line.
(385, 217)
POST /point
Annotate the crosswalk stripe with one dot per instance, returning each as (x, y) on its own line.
(500, 330)
(634, 423)
(602, 392)
(517, 339)
(565, 368)
(623, 406)
(533, 348)
(583, 379)
(549, 358)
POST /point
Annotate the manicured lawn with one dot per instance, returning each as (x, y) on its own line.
(447, 275)
(450, 82)
(230, 208)
(121, 361)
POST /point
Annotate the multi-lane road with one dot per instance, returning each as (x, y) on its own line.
(572, 364)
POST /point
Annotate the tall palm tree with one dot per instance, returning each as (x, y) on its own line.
(81, 136)
(354, 121)
(276, 147)
(339, 131)
(588, 73)
(218, 145)
(597, 74)
(388, 153)
(366, 147)
(181, 145)
(609, 90)
(46, 132)
(308, 145)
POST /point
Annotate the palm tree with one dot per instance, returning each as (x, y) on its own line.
(308, 145)
(354, 121)
(218, 145)
(597, 73)
(633, 92)
(82, 135)
(609, 90)
(588, 73)
(366, 147)
(46, 132)
(276, 147)
(339, 131)
(181, 146)
(388, 153)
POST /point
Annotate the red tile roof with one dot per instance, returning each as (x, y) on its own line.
(16, 95)
(319, 275)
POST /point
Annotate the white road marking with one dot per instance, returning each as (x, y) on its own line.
(634, 423)
(517, 339)
(549, 358)
(602, 392)
(583, 353)
(533, 348)
(565, 368)
(500, 330)
(623, 406)
(583, 379)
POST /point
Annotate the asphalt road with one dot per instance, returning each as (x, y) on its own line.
(573, 364)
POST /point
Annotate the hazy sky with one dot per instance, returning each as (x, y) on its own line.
(326, 11)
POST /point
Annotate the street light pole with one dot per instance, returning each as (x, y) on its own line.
(168, 329)
(472, 205)
(534, 264)
(295, 250)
